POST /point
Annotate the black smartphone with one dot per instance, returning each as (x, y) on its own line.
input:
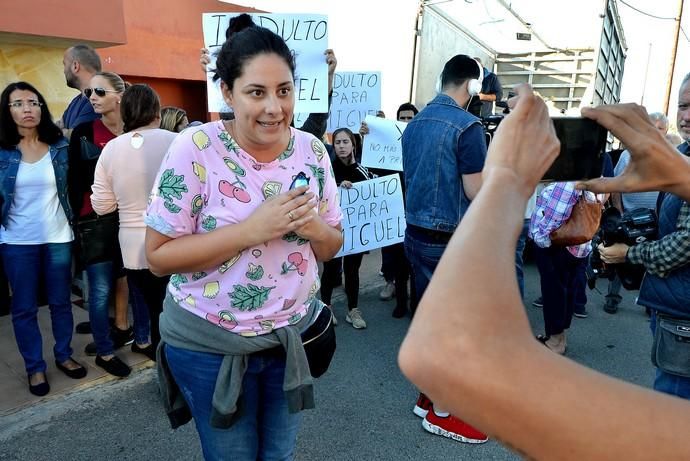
(582, 148)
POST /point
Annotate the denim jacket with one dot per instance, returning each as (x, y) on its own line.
(440, 144)
(9, 165)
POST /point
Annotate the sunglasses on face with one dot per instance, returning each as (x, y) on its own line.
(100, 92)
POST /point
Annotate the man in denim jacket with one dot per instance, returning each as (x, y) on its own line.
(443, 156)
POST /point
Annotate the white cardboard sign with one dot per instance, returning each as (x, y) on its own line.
(307, 37)
(373, 214)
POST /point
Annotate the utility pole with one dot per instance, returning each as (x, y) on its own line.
(673, 56)
(646, 72)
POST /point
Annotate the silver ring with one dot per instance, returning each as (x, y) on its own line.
(292, 218)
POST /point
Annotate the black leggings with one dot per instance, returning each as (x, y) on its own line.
(331, 272)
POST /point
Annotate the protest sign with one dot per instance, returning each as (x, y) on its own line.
(307, 37)
(355, 95)
(373, 214)
(382, 147)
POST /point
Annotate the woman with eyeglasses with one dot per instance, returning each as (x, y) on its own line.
(35, 233)
(123, 180)
(86, 143)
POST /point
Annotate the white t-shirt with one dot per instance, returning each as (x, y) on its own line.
(36, 216)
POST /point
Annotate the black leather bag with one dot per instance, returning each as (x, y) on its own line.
(89, 151)
(98, 238)
(319, 343)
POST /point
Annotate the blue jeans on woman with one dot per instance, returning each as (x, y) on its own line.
(100, 280)
(25, 266)
(265, 430)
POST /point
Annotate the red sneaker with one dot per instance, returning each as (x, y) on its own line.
(423, 406)
(452, 427)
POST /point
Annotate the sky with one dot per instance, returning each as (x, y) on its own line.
(378, 35)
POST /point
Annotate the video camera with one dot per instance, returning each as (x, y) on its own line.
(632, 227)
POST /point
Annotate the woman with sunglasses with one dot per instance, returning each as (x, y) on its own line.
(123, 180)
(35, 233)
(86, 142)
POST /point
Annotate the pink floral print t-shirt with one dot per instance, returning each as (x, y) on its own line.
(206, 181)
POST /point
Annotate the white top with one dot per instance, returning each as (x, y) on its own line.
(123, 179)
(36, 216)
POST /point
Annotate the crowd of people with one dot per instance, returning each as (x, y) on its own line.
(213, 232)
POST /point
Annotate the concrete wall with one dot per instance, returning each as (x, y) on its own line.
(42, 67)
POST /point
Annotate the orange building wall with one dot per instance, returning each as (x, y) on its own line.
(162, 37)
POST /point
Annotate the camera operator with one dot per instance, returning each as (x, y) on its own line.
(665, 289)
(628, 202)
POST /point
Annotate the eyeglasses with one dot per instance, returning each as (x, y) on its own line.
(29, 103)
(100, 92)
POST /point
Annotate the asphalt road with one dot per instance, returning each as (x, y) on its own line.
(364, 404)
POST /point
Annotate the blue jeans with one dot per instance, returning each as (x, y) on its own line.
(265, 431)
(140, 314)
(25, 266)
(423, 255)
(100, 279)
(666, 382)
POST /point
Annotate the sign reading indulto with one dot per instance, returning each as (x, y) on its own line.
(307, 37)
(373, 214)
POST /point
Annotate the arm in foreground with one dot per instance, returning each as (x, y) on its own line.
(536, 402)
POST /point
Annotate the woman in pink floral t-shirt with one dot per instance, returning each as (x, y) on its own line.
(240, 214)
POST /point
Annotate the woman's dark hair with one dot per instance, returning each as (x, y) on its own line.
(349, 134)
(237, 24)
(245, 45)
(139, 107)
(48, 132)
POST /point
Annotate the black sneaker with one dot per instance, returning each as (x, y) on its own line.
(114, 366)
(90, 349)
(539, 302)
(581, 314)
(121, 337)
(611, 305)
(83, 328)
(149, 351)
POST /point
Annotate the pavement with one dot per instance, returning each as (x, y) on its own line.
(363, 403)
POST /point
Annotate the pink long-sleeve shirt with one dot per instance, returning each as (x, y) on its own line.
(124, 177)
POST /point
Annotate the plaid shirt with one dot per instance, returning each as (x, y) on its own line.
(662, 256)
(554, 205)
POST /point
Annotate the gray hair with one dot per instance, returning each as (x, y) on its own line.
(658, 116)
(685, 79)
(86, 56)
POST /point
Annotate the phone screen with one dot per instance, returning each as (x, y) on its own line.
(582, 146)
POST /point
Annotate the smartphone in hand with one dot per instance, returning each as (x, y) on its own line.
(582, 147)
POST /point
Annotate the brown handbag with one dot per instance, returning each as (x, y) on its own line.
(582, 224)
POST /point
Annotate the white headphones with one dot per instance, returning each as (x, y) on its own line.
(474, 85)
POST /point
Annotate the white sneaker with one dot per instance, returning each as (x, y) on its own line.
(388, 291)
(355, 318)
